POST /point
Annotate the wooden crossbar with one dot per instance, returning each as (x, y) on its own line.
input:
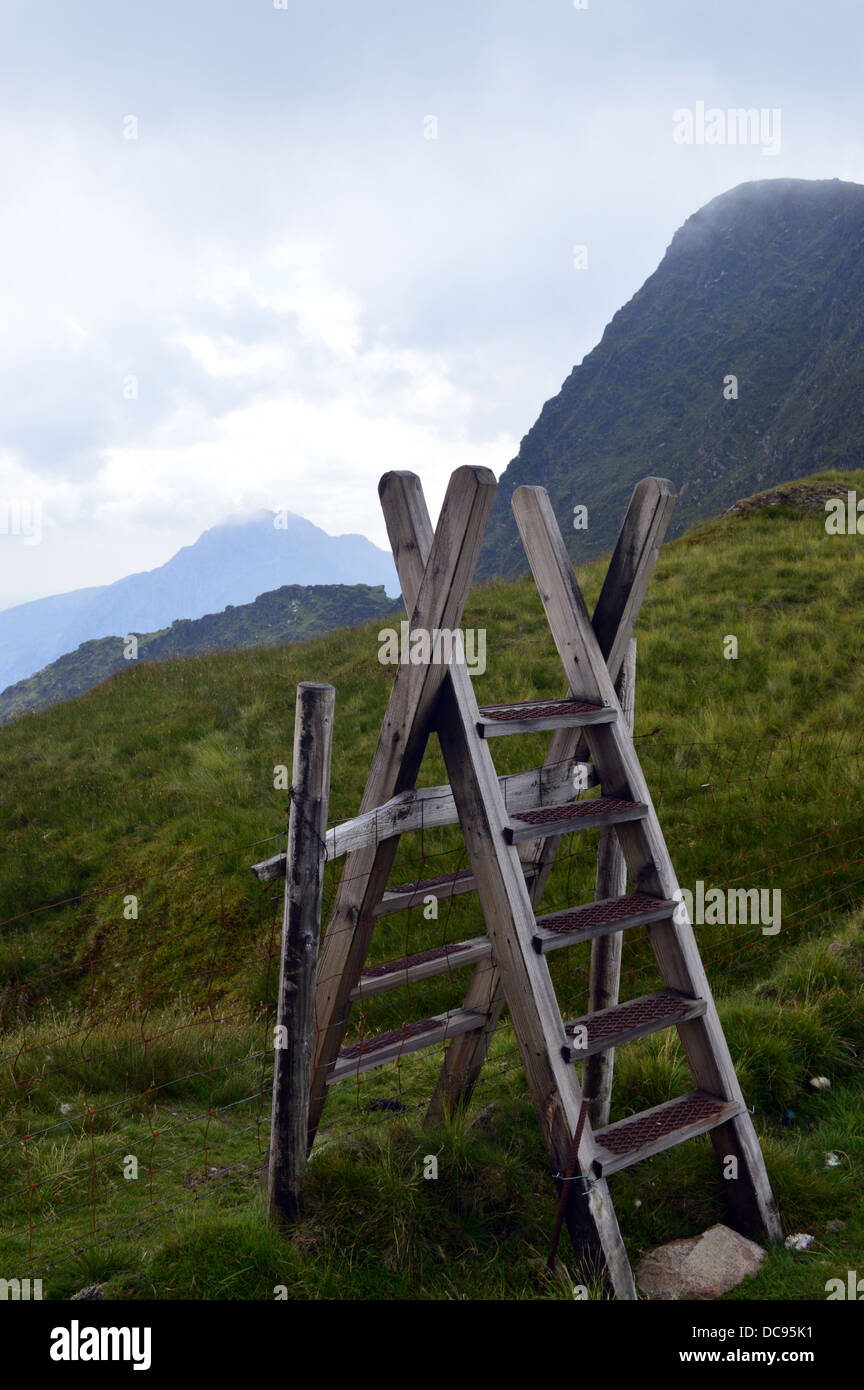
(427, 808)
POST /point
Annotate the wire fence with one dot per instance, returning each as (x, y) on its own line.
(136, 1021)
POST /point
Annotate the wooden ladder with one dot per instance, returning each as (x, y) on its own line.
(512, 828)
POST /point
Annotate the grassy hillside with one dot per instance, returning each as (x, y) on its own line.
(160, 782)
(291, 613)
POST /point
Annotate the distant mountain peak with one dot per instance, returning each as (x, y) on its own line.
(230, 563)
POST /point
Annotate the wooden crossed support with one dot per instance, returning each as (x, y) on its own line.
(437, 600)
(435, 571)
(624, 588)
(419, 554)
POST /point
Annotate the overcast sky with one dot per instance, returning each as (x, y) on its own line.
(284, 287)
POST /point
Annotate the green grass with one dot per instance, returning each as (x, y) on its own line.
(374, 1227)
(155, 1029)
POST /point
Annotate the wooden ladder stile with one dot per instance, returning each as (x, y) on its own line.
(511, 829)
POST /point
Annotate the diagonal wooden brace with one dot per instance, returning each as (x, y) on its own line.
(509, 916)
(648, 861)
(615, 616)
(440, 600)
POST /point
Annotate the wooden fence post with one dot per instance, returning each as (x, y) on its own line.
(301, 928)
(605, 974)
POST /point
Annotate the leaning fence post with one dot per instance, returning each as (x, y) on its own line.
(301, 928)
(605, 970)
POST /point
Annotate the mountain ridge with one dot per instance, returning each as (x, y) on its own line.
(231, 563)
(765, 283)
(289, 614)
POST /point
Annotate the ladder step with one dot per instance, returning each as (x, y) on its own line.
(376, 979)
(532, 716)
(621, 1023)
(579, 815)
(411, 1037)
(640, 1136)
(601, 918)
(405, 895)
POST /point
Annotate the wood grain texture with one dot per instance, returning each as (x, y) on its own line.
(650, 867)
(507, 908)
(425, 808)
(295, 1012)
(624, 587)
(604, 975)
(440, 600)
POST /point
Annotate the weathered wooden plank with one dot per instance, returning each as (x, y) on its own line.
(295, 1013)
(377, 1052)
(631, 568)
(525, 979)
(404, 896)
(427, 808)
(648, 861)
(507, 909)
(633, 561)
(402, 741)
(422, 967)
(606, 951)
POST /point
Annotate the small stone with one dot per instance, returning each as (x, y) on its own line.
(834, 1226)
(799, 1241)
(832, 1161)
(703, 1267)
(65, 1108)
(820, 1083)
(91, 1291)
(835, 948)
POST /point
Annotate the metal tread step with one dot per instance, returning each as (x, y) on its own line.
(578, 815)
(533, 716)
(635, 1018)
(600, 918)
(403, 896)
(411, 1037)
(395, 974)
(650, 1132)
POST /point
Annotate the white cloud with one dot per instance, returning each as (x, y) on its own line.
(306, 290)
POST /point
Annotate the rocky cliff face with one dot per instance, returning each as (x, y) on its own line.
(738, 364)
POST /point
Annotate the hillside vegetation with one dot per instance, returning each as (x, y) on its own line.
(161, 782)
(288, 614)
(231, 563)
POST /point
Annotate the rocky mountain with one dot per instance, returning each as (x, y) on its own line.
(229, 564)
(738, 364)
